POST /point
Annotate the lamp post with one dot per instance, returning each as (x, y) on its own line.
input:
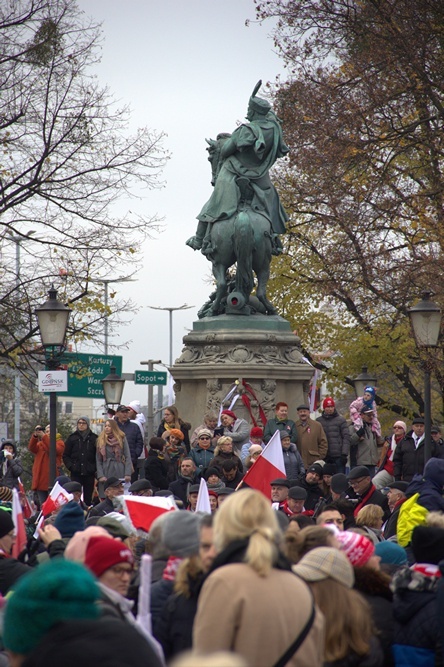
(106, 282)
(171, 310)
(53, 319)
(363, 380)
(425, 320)
(113, 386)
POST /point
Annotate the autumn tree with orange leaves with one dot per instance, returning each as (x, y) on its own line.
(363, 115)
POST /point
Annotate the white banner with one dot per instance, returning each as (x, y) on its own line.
(53, 381)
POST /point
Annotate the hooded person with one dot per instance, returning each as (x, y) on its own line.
(180, 534)
(417, 625)
(10, 466)
(79, 457)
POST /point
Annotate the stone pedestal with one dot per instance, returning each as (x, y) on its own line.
(260, 349)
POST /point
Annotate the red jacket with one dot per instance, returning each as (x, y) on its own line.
(40, 468)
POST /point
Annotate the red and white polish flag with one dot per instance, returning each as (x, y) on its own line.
(268, 466)
(143, 510)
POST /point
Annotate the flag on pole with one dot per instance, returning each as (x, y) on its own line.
(19, 523)
(143, 510)
(58, 497)
(26, 505)
(268, 466)
(203, 498)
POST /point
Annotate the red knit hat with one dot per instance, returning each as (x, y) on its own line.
(103, 553)
(328, 402)
(358, 548)
(230, 413)
(256, 432)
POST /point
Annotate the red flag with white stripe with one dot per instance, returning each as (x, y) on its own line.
(143, 510)
(268, 466)
(58, 497)
(19, 523)
(26, 505)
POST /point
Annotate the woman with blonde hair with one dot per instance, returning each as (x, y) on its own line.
(224, 452)
(370, 518)
(350, 636)
(251, 596)
(113, 456)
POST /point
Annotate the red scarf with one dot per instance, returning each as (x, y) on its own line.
(171, 568)
(364, 499)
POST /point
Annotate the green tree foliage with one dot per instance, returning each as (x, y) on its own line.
(66, 159)
(363, 113)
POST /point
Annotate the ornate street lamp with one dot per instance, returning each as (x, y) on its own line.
(425, 319)
(53, 319)
(113, 386)
(363, 380)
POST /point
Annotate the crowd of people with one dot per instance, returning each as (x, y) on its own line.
(338, 565)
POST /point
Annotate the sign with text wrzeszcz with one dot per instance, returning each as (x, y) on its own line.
(86, 372)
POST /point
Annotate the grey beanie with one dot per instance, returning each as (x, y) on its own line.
(181, 532)
(85, 419)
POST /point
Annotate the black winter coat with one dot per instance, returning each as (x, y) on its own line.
(314, 493)
(79, 455)
(174, 629)
(416, 619)
(338, 435)
(374, 586)
(156, 469)
(409, 461)
(134, 439)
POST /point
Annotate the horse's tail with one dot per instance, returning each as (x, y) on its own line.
(243, 248)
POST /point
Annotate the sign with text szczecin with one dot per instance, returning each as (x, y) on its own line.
(150, 377)
(50, 381)
(86, 372)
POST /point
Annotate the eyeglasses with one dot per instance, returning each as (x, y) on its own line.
(204, 437)
(121, 570)
(357, 481)
(81, 421)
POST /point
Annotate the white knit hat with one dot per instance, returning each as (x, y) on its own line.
(135, 405)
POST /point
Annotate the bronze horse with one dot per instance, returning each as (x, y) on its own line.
(244, 239)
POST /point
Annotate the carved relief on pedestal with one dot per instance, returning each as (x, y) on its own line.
(214, 394)
(189, 354)
(240, 354)
(177, 386)
(267, 396)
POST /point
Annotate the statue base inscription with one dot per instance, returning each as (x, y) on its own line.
(260, 350)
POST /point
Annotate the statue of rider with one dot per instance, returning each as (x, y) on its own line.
(250, 151)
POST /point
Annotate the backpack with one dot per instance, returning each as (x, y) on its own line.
(411, 514)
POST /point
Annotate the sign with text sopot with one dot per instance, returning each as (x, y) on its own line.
(86, 372)
(50, 381)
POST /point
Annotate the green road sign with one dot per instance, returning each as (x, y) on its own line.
(150, 377)
(86, 372)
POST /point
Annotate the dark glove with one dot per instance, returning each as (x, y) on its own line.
(360, 432)
(344, 459)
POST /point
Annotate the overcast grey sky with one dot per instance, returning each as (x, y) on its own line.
(186, 67)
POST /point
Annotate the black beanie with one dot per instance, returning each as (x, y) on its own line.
(428, 544)
(6, 522)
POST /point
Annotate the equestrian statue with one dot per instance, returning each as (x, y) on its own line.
(241, 222)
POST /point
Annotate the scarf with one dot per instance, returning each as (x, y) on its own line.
(364, 499)
(170, 571)
(112, 442)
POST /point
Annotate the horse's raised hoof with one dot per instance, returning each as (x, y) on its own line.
(195, 242)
